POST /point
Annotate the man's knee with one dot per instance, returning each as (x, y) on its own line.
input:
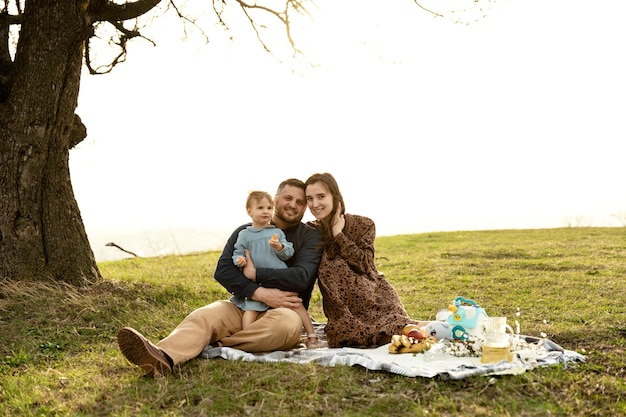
(286, 322)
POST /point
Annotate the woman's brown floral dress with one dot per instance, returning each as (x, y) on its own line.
(362, 308)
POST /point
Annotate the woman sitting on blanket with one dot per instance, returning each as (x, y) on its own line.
(362, 308)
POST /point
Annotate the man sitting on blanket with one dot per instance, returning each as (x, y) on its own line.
(278, 328)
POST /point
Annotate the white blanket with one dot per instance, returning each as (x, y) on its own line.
(436, 362)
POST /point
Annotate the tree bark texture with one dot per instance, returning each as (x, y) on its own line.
(42, 235)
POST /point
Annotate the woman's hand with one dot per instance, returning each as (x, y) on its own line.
(339, 222)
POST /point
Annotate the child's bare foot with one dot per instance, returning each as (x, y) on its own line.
(312, 341)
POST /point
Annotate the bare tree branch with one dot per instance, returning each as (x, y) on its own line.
(101, 12)
(183, 17)
(473, 12)
(106, 68)
(280, 15)
(418, 4)
(115, 245)
(108, 11)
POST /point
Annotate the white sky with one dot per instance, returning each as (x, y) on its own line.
(514, 121)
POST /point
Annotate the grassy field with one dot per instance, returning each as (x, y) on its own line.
(59, 356)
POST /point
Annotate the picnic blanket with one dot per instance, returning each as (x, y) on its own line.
(438, 361)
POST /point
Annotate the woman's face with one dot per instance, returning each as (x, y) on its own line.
(319, 200)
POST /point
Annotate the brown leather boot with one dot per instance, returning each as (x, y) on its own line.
(138, 350)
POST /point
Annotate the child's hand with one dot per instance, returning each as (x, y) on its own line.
(241, 262)
(275, 243)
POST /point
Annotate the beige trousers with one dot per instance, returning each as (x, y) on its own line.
(275, 329)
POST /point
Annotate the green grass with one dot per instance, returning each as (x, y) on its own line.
(59, 356)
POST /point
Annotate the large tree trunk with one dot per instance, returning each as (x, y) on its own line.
(42, 235)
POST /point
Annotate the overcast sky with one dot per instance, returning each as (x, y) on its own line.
(512, 121)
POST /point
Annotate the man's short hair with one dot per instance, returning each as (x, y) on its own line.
(293, 182)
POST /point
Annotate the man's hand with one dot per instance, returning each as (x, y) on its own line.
(276, 298)
(249, 271)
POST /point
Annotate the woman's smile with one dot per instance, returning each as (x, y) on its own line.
(319, 200)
